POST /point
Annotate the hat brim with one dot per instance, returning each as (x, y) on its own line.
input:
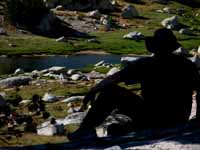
(155, 46)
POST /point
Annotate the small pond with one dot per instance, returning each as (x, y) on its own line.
(29, 63)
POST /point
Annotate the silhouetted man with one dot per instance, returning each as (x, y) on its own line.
(167, 85)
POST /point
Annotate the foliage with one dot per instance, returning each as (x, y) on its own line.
(25, 13)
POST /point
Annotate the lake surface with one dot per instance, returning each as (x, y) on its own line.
(30, 63)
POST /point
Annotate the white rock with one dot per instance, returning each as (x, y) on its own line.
(71, 71)
(61, 39)
(73, 99)
(181, 51)
(94, 14)
(76, 77)
(99, 63)
(59, 8)
(171, 23)
(50, 129)
(49, 97)
(25, 102)
(167, 9)
(129, 12)
(19, 71)
(186, 31)
(57, 69)
(95, 75)
(112, 71)
(134, 36)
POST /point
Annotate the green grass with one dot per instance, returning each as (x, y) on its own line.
(112, 41)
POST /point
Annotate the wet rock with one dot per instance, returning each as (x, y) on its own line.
(15, 81)
(129, 12)
(171, 23)
(134, 36)
(112, 71)
(73, 99)
(19, 71)
(49, 97)
(94, 14)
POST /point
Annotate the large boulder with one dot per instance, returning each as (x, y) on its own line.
(129, 12)
(15, 81)
(171, 23)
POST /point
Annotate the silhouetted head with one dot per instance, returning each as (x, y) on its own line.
(162, 42)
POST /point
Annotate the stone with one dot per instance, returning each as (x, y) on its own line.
(50, 129)
(57, 69)
(15, 81)
(76, 77)
(171, 23)
(95, 75)
(19, 71)
(74, 118)
(167, 10)
(181, 51)
(3, 31)
(94, 14)
(25, 102)
(134, 36)
(59, 8)
(129, 12)
(99, 63)
(112, 71)
(62, 77)
(71, 71)
(73, 99)
(61, 39)
(49, 97)
(186, 31)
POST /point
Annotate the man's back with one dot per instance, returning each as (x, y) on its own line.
(167, 84)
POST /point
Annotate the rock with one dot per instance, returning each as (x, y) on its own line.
(19, 71)
(49, 97)
(167, 10)
(76, 77)
(171, 23)
(15, 81)
(198, 51)
(51, 75)
(134, 36)
(94, 14)
(112, 71)
(57, 70)
(186, 31)
(59, 8)
(129, 12)
(71, 71)
(181, 51)
(25, 102)
(113, 148)
(75, 118)
(50, 129)
(61, 39)
(62, 77)
(196, 60)
(2, 101)
(73, 99)
(95, 75)
(99, 63)
(3, 31)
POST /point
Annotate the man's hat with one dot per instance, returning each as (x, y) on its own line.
(163, 41)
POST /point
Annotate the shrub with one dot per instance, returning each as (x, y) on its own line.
(25, 13)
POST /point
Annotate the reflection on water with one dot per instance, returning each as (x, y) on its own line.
(8, 65)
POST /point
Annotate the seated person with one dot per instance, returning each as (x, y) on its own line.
(167, 85)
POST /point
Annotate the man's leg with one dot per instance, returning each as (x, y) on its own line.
(113, 97)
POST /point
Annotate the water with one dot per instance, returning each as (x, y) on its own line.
(30, 63)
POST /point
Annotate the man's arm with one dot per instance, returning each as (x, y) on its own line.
(113, 79)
